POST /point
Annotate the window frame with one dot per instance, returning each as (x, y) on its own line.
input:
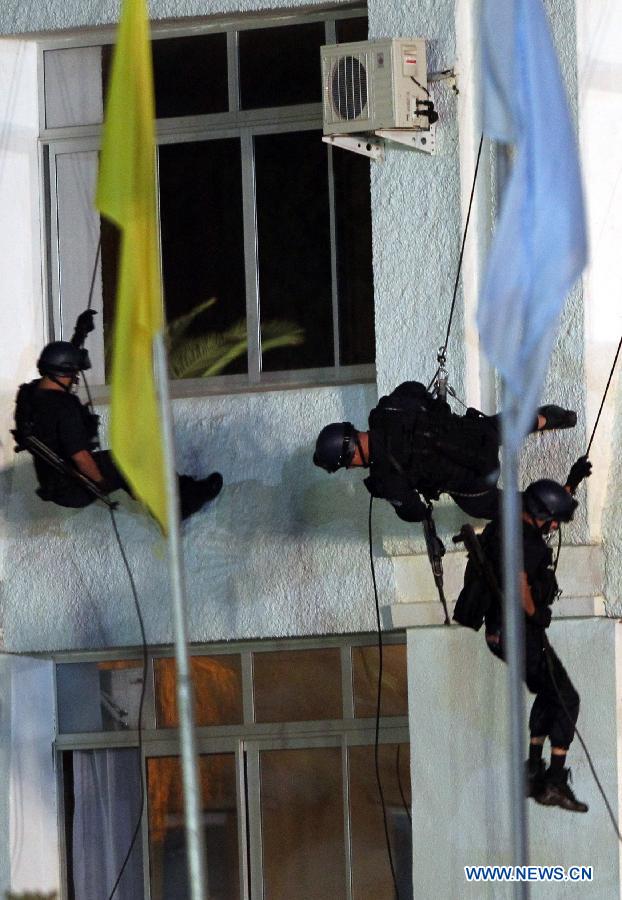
(236, 123)
(246, 740)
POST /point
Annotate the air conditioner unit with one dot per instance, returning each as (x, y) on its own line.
(374, 85)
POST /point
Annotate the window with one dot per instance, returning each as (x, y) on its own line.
(265, 231)
(289, 797)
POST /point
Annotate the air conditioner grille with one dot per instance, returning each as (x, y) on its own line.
(349, 87)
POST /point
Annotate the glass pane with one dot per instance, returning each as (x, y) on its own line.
(190, 75)
(102, 807)
(73, 86)
(394, 682)
(203, 257)
(167, 836)
(371, 872)
(281, 66)
(102, 696)
(302, 824)
(293, 232)
(351, 30)
(355, 277)
(297, 685)
(77, 222)
(217, 683)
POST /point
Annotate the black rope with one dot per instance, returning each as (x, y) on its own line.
(401, 786)
(140, 706)
(464, 237)
(602, 402)
(378, 702)
(97, 255)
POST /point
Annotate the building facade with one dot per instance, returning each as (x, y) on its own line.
(282, 556)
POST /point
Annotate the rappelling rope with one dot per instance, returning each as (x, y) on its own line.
(602, 402)
(442, 353)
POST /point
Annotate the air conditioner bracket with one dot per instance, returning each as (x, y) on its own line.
(357, 143)
(419, 140)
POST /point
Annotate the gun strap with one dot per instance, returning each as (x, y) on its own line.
(38, 448)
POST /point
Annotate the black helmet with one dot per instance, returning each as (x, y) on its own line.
(62, 358)
(549, 501)
(335, 446)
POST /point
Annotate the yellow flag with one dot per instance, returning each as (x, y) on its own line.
(126, 194)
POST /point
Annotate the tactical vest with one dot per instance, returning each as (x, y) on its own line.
(25, 416)
(419, 436)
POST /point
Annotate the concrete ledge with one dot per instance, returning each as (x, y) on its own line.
(579, 573)
(430, 612)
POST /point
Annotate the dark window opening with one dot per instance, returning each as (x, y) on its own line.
(355, 281)
(293, 235)
(350, 30)
(265, 232)
(281, 66)
(203, 257)
(189, 74)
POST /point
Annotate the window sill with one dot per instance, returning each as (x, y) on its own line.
(270, 381)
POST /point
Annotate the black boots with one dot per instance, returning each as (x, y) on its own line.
(196, 492)
(555, 791)
(557, 417)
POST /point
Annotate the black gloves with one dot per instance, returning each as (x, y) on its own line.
(412, 509)
(541, 617)
(84, 325)
(557, 417)
(580, 470)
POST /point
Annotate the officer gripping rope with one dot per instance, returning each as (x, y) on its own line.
(555, 708)
(61, 434)
(416, 448)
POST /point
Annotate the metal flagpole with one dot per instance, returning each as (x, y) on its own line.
(189, 758)
(514, 633)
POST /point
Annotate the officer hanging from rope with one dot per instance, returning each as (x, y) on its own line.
(61, 433)
(546, 504)
(416, 448)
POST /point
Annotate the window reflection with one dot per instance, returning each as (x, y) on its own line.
(167, 838)
(302, 824)
(100, 696)
(371, 872)
(297, 685)
(394, 682)
(217, 683)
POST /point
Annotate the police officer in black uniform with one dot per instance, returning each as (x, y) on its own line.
(556, 705)
(49, 411)
(417, 448)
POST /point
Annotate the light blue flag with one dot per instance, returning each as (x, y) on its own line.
(539, 246)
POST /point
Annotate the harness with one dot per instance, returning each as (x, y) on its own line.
(25, 439)
(418, 435)
(481, 587)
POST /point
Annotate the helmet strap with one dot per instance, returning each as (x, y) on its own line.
(66, 387)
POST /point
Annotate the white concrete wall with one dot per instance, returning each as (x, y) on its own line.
(283, 551)
(460, 763)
